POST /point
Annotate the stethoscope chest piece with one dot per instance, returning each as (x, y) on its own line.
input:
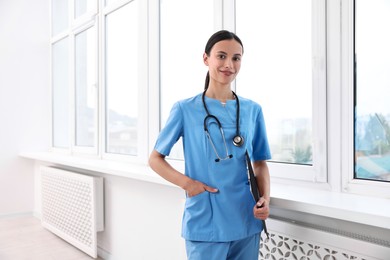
(238, 140)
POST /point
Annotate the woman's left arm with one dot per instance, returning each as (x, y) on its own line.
(261, 209)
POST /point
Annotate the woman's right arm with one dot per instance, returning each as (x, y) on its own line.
(192, 187)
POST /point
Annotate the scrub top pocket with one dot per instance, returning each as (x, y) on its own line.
(198, 215)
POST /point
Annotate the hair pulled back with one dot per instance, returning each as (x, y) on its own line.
(217, 37)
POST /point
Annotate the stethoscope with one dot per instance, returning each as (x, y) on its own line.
(238, 140)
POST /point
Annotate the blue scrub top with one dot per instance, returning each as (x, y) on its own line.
(228, 214)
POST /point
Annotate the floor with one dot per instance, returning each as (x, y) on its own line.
(23, 238)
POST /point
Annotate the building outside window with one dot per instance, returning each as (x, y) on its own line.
(372, 95)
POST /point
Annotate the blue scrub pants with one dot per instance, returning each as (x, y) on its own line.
(244, 249)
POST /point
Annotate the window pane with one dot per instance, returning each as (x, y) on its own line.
(80, 7)
(59, 16)
(106, 2)
(182, 46)
(60, 81)
(122, 80)
(276, 72)
(112, 2)
(372, 109)
(83, 6)
(85, 79)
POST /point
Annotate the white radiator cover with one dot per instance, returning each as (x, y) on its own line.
(72, 207)
(290, 241)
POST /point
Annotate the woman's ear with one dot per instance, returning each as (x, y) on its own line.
(205, 59)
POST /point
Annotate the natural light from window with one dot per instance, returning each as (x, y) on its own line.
(182, 45)
(372, 108)
(277, 72)
(122, 80)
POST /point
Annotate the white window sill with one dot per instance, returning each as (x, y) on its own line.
(115, 168)
(350, 207)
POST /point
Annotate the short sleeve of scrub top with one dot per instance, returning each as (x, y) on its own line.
(228, 214)
(172, 131)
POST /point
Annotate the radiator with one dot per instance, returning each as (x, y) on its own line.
(72, 207)
(289, 240)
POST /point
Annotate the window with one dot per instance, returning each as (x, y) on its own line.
(78, 126)
(60, 94)
(280, 71)
(83, 7)
(182, 46)
(121, 80)
(372, 109)
(59, 16)
(86, 88)
(74, 78)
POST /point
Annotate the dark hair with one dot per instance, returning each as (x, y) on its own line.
(217, 37)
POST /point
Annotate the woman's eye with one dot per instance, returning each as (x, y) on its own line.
(221, 56)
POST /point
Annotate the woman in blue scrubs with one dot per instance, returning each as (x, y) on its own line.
(221, 220)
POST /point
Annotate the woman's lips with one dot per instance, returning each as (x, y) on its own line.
(227, 73)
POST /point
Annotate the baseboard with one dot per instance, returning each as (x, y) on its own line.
(104, 254)
(38, 215)
(17, 214)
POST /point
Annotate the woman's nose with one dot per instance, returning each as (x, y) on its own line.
(228, 64)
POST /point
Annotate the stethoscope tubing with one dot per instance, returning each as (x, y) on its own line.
(238, 140)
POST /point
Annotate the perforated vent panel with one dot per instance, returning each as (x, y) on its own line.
(291, 241)
(69, 207)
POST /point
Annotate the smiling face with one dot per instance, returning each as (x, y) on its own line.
(224, 62)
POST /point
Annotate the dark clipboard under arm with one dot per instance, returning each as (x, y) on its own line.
(254, 188)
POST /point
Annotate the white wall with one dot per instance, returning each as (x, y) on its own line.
(24, 98)
(142, 220)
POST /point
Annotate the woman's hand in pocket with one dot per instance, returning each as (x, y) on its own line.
(194, 187)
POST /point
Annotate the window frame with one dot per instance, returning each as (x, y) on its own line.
(317, 172)
(94, 18)
(142, 120)
(350, 184)
(57, 39)
(75, 26)
(81, 150)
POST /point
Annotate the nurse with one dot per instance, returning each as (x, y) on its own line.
(221, 220)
